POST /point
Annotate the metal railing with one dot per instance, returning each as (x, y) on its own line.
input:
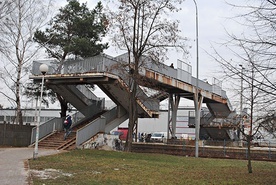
(217, 84)
(206, 119)
(105, 63)
(184, 71)
(55, 124)
(90, 130)
(77, 119)
(95, 126)
(85, 89)
(209, 148)
(110, 115)
(46, 128)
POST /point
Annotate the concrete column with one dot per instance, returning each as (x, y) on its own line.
(174, 100)
(198, 99)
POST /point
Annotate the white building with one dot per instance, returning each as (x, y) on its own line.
(145, 125)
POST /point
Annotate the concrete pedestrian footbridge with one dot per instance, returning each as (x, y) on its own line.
(72, 80)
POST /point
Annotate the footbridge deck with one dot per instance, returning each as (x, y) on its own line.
(112, 77)
(103, 70)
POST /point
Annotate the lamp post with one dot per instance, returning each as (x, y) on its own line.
(43, 69)
(197, 120)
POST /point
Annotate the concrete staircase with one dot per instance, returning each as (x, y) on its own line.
(56, 141)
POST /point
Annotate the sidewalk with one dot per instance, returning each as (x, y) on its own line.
(12, 168)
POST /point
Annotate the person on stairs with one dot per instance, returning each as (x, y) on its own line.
(67, 126)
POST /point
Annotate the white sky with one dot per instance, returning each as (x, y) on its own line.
(213, 19)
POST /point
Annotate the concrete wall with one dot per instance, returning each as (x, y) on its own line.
(103, 142)
(15, 135)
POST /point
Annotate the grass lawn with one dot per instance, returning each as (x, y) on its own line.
(111, 167)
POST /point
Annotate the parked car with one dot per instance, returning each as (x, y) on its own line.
(158, 137)
(124, 135)
(121, 132)
(117, 133)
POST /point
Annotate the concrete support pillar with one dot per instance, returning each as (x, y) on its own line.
(174, 100)
(198, 99)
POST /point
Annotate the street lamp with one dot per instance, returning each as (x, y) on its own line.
(197, 120)
(43, 69)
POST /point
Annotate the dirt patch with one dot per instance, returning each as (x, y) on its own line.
(27, 167)
(49, 174)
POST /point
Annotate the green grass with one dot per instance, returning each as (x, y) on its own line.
(110, 167)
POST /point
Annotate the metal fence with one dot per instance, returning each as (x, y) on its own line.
(230, 149)
(210, 149)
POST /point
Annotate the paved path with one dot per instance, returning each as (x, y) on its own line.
(12, 170)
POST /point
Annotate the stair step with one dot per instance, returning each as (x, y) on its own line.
(56, 140)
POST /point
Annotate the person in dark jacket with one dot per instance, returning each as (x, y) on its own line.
(67, 126)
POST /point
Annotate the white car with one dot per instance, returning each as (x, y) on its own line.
(158, 137)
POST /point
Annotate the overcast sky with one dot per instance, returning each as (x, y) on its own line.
(213, 16)
(213, 19)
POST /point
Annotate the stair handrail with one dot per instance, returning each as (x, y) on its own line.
(94, 127)
(47, 128)
(87, 92)
(207, 119)
(89, 130)
(77, 118)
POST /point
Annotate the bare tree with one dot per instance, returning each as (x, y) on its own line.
(256, 92)
(259, 90)
(254, 63)
(17, 46)
(145, 31)
(259, 20)
(5, 8)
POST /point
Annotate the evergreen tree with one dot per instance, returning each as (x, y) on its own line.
(75, 32)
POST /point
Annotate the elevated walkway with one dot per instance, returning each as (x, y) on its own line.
(114, 80)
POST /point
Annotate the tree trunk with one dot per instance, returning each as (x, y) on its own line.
(128, 145)
(249, 166)
(63, 106)
(19, 118)
(132, 117)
